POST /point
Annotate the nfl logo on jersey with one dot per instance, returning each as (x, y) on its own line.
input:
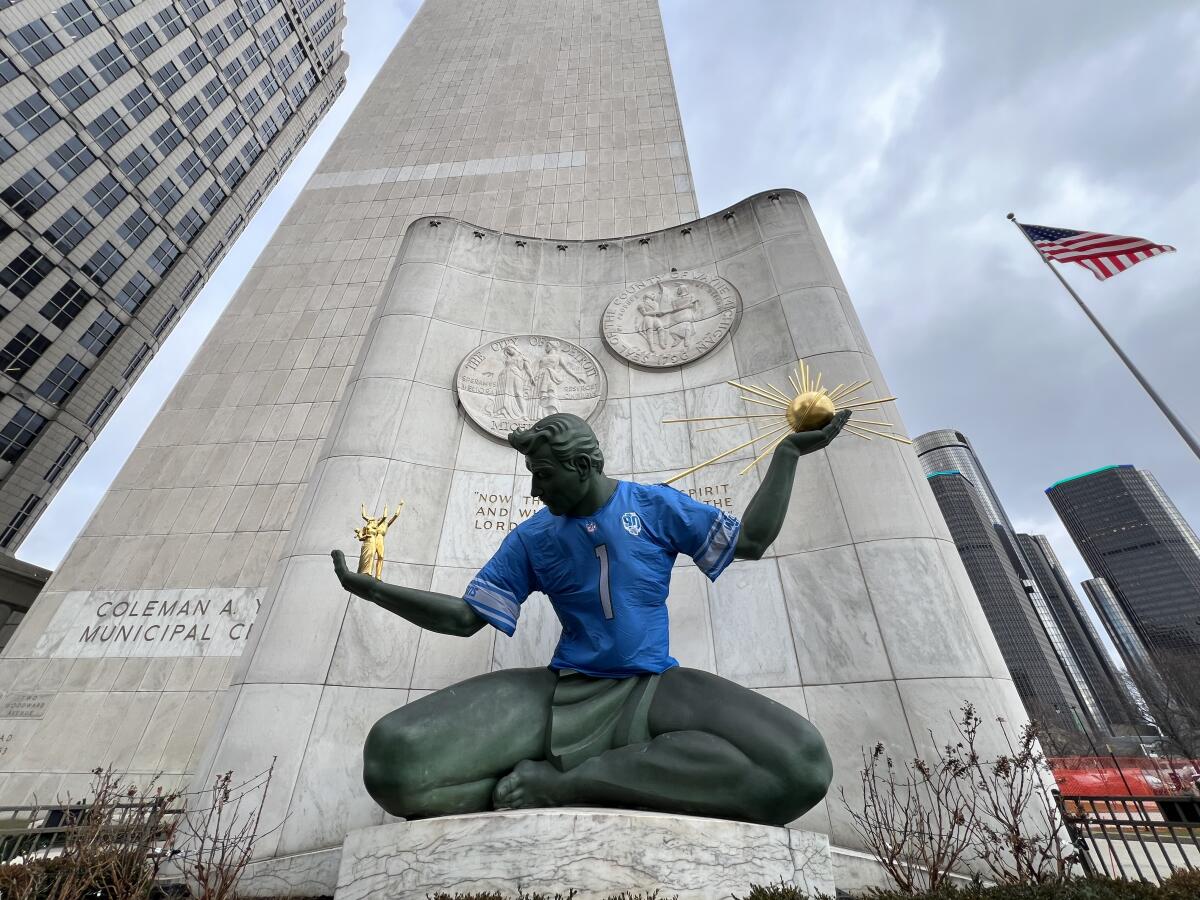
(591, 527)
(632, 523)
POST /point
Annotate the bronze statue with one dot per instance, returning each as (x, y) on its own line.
(371, 534)
(613, 721)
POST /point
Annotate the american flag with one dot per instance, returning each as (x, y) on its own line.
(1104, 254)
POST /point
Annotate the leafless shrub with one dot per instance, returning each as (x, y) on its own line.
(925, 820)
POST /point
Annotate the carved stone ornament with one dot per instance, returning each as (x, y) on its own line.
(513, 381)
(670, 320)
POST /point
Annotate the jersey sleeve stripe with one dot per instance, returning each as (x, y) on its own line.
(717, 552)
(494, 604)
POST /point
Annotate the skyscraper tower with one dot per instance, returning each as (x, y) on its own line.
(513, 172)
(948, 450)
(137, 139)
(1107, 684)
(1131, 535)
(1035, 668)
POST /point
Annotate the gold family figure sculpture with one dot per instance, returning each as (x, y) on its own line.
(371, 534)
(809, 407)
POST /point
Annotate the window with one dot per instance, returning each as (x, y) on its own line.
(188, 288)
(25, 272)
(193, 60)
(142, 40)
(106, 195)
(235, 25)
(134, 293)
(268, 129)
(8, 72)
(169, 79)
(61, 309)
(190, 169)
(254, 9)
(138, 165)
(29, 193)
(73, 87)
(235, 71)
(63, 460)
(283, 110)
(136, 361)
(254, 200)
(110, 63)
(7, 151)
(166, 320)
(71, 159)
(139, 103)
(20, 517)
(297, 94)
(212, 197)
(234, 227)
(310, 82)
(195, 8)
(136, 228)
(18, 434)
(114, 8)
(214, 93)
(65, 378)
(32, 117)
(268, 84)
(253, 57)
(270, 38)
(253, 101)
(167, 137)
(102, 266)
(170, 23)
(192, 113)
(35, 42)
(102, 407)
(108, 128)
(285, 67)
(251, 151)
(163, 256)
(68, 230)
(165, 196)
(212, 255)
(189, 226)
(76, 19)
(214, 144)
(215, 40)
(100, 333)
(20, 353)
(234, 123)
(234, 172)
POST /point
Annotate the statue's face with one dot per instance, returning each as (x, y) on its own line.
(558, 486)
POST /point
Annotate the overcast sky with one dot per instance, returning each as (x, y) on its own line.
(913, 128)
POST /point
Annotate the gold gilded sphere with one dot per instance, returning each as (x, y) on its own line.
(810, 411)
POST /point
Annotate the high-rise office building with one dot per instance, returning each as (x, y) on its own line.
(1139, 662)
(1036, 671)
(136, 141)
(948, 450)
(1106, 681)
(513, 171)
(1131, 535)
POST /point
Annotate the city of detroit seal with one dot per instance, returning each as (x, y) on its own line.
(513, 381)
(670, 320)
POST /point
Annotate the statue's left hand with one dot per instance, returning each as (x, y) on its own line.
(811, 441)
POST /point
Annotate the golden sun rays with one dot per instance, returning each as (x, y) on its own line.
(810, 407)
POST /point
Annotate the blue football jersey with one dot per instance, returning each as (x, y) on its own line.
(606, 575)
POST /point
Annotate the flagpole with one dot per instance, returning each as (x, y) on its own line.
(1166, 410)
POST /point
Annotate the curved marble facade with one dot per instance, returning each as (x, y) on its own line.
(861, 617)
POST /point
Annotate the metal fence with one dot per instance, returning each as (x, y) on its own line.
(28, 832)
(1135, 838)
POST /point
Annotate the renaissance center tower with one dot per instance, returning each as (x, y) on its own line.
(515, 177)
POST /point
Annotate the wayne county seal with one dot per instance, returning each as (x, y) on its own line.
(513, 381)
(669, 320)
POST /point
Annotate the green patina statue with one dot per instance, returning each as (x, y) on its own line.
(614, 720)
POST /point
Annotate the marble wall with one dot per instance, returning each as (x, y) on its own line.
(860, 617)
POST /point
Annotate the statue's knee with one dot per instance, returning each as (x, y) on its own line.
(806, 773)
(388, 743)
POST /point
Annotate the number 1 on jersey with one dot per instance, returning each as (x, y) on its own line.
(605, 595)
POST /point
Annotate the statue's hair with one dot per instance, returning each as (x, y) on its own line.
(567, 435)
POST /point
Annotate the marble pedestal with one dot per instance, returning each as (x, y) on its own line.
(596, 852)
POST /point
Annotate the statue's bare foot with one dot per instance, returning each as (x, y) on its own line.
(531, 784)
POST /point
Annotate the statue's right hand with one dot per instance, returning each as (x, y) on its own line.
(339, 567)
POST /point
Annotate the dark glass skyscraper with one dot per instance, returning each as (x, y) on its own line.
(1106, 682)
(1132, 536)
(1037, 642)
